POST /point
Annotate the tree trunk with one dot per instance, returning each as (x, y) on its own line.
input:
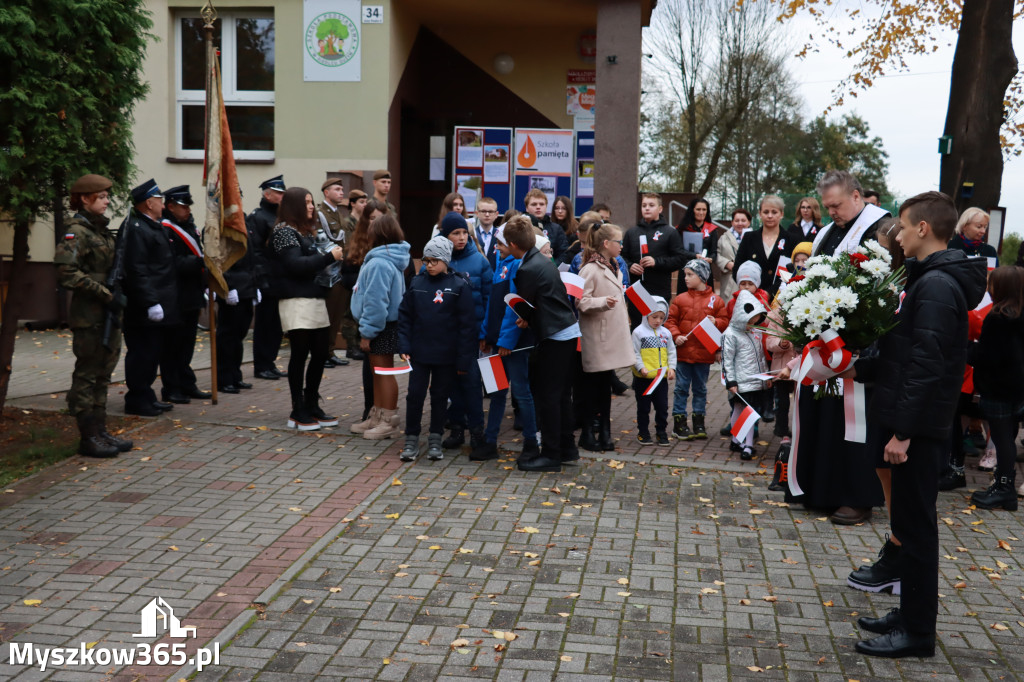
(12, 308)
(983, 66)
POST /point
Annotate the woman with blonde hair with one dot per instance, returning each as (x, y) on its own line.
(971, 234)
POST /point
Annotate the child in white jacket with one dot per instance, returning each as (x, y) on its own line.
(655, 351)
(743, 357)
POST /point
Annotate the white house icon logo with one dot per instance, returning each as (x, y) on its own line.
(156, 610)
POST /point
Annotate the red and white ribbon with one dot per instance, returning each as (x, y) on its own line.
(855, 405)
(392, 371)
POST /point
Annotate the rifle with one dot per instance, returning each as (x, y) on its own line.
(114, 280)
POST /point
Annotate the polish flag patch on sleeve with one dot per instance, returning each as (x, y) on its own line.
(744, 422)
(639, 297)
(492, 373)
(707, 333)
(573, 284)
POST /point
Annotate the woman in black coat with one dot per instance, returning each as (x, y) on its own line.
(766, 245)
(971, 234)
(302, 305)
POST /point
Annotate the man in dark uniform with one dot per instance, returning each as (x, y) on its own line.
(266, 333)
(179, 381)
(332, 229)
(84, 259)
(151, 285)
(234, 315)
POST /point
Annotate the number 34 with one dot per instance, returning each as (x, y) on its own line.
(373, 14)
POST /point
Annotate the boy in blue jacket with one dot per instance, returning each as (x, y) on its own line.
(437, 336)
(501, 335)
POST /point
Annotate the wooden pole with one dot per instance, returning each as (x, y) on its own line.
(209, 15)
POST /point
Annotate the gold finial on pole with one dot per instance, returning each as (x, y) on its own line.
(209, 14)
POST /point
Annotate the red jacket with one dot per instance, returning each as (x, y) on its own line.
(761, 294)
(685, 313)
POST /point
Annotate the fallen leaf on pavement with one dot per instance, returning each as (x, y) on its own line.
(624, 594)
(395, 481)
(389, 516)
(623, 581)
(770, 597)
(33, 602)
(565, 659)
(1003, 544)
(745, 602)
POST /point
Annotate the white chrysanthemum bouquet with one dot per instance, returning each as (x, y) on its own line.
(855, 295)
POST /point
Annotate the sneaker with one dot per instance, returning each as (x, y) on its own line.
(434, 450)
(411, 449)
(644, 439)
(680, 429)
(662, 438)
(881, 576)
(302, 420)
(987, 461)
(747, 454)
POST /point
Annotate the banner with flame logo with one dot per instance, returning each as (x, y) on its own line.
(547, 152)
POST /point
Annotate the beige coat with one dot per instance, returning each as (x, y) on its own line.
(727, 248)
(606, 342)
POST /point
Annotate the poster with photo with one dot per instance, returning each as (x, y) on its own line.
(496, 163)
(547, 184)
(469, 150)
(585, 177)
(469, 187)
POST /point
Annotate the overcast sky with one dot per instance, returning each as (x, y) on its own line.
(907, 110)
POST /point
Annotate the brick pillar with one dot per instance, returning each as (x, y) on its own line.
(617, 122)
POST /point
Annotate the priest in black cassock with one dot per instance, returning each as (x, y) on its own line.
(834, 474)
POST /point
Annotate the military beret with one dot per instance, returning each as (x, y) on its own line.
(381, 174)
(179, 195)
(356, 195)
(91, 183)
(330, 181)
(146, 190)
(275, 183)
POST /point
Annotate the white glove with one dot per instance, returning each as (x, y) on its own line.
(232, 298)
(259, 296)
(156, 313)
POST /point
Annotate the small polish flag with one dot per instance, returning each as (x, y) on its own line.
(519, 305)
(643, 244)
(986, 303)
(992, 263)
(707, 333)
(640, 298)
(564, 267)
(744, 422)
(573, 284)
(657, 380)
(492, 372)
(781, 271)
(392, 371)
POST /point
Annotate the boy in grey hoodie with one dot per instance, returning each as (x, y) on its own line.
(743, 357)
(655, 351)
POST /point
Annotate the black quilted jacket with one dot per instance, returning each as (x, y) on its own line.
(919, 369)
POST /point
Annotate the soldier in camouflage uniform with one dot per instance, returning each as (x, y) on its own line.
(332, 228)
(84, 259)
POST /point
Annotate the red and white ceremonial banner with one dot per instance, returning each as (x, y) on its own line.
(658, 378)
(492, 373)
(643, 245)
(392, 371)
(573, 284)
(707, 333)
(744, 422)
(639, 297)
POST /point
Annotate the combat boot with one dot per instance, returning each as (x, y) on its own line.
(121, 444)
(882, 575)
(90, 443)
(999, 495)
(588, 437)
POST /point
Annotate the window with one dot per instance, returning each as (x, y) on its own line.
(246, 44)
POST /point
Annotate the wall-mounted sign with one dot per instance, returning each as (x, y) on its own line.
(543, 152)
(373, 14)
(331, 40)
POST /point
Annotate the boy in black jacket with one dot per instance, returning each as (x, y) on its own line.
(917, 376)
(437, 334)
(554, 326)
(663, 256)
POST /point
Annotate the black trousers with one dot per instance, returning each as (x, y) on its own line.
(367, 386)
(176, 359)
(553, 398)
(232, 325)
(1003, 430)
(782, 392)
(597, 387)
(441, 381)
(307, 343)
(659, 399)
(266, 335)
(145, 345)
(915, 488)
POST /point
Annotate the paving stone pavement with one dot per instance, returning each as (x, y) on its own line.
(320, 555)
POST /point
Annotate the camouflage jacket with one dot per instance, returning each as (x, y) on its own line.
(83, 259)
(339, 225)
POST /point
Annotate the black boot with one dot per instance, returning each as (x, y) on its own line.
(679, 428)
(455, 439)
(952, 478)
(882, 575)
(588, 441)
(779, 478)
(1000, 495)
(312, 403)
(604, 439)
(699, 432)
(481, 449)
(90, 443)
(121, 444)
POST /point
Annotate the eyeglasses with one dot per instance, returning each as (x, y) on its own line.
(485, 211)
(616, 241)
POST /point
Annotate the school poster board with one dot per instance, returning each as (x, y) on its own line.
(543, 158)
(583, 172)
(482, 165)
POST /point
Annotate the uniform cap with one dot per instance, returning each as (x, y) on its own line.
(330, 181)
(356, 195)
(146, 190)
(275, 183)
(179, 195)
(381, 174)
(91, 183)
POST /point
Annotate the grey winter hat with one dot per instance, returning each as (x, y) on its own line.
(440, 248)
(700, 268)
(749, 272)
(660, 305)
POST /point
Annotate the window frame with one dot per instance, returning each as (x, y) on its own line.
(229, 76)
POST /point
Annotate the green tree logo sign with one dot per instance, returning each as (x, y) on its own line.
(332, 39)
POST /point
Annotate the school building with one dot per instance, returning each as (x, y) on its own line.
(342, 87)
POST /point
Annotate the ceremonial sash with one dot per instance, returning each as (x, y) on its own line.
(851, 241)
(191, 243)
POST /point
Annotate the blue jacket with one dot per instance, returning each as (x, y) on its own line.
(435, 321)
(577, 263)
(380, 287)
(478, 271)
(499, 329)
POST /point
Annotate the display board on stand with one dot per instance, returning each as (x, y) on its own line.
(543, 160)
(483, 162)
(583, 172)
